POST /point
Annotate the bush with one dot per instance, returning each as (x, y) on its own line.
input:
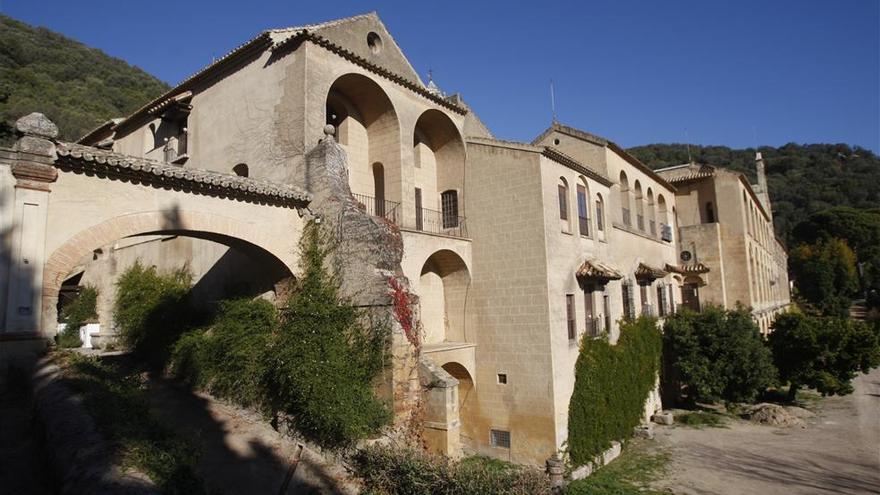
(410, 470)
(717, 355)
(612, 383)
(77, 313)
(323, 361)
(822, 353)
(228, 359)
(151, 310)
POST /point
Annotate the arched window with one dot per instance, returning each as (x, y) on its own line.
(562, 189)
(449, 205)
(240, 170)
(663, 218)
(624, 200)
(583, 208)
(379, 188)
(640, 207)
(652, 213)
(710, 212)
(600, 213)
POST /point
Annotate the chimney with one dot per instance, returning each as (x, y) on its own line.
(761, 190)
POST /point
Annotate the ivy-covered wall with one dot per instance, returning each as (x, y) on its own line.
(612, 383)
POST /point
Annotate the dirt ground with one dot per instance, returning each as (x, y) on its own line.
(838, 451)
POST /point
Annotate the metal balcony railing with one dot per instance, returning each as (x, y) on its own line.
(378, 207)
(594, 327)
(438, 222)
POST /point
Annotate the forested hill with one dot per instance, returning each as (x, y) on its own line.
(803, 179)
(76, 86)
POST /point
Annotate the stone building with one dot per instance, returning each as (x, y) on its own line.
(726, 225)
(515, 251)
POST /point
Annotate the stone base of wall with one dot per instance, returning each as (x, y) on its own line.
(603, 459)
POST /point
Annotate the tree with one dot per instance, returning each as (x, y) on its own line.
(824, 353)
(717, 355)
(825, 275)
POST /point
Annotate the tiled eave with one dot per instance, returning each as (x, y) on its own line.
(695, 269)
(102, 163)
(647, 272)
(563, 159)
(595, 271)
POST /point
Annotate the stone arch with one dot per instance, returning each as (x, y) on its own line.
(625, 193)
(652, 213)
(582, 205)
(439, 157)
(467, 403)
(201, 225)
(368, 128)
(640, 206)
(444, 281)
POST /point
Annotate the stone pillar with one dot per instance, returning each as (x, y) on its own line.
(441, 424)
(556, 472)
(33, 170)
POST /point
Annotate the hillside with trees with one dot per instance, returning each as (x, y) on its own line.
(76, 86)
(803, 179)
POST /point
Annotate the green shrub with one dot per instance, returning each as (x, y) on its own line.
(822, 353)
(151, 310)
(717, 355)
(612, 383)
(410, 470)
(323, 361)
(228, 360)
(76, 314)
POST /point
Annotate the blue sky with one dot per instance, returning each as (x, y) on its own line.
(636, 72)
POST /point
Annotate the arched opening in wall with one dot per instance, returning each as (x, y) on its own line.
(583, 207)
(367, 127)
(663, 219)
(625, 215)
(241, 170)
(652, 213)
(690, 292)
(439, 158)
(562, 194)
(379, 188)
(600, 215)
(443, 289)
(640, 206)
(465, 400)
(222, 267)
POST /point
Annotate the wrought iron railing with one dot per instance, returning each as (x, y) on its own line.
(627, 220)
(439, 222)
(378, 207)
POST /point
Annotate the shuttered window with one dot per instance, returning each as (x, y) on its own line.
(583, 208)
(563, 202)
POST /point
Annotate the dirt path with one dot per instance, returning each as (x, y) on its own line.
(240, 453)
(837, 452)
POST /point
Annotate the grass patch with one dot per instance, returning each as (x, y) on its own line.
(631, 473)
(700, 419)
(116, 400)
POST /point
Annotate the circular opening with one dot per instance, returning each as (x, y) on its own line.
(374, 42)
(556, 141)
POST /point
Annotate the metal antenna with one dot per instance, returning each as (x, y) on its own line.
(687, 143)
(552, 101)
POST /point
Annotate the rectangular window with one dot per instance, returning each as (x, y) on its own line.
(569, 315)
(599, 225)
(502, 378)
(591, 320)
(629, 310)
(449, 205)
(647, 310)
(499, 438)
(583, 219)
(661, 300)
(563, 202)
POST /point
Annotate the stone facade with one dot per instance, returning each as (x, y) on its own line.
(511, 253)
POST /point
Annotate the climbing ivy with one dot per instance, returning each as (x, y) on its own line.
(612, 383)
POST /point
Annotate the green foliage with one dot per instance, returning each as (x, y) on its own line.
(717, 354)
(117, 401)
(228, 359)
(825, 275)
(699, 419)
(76, 86)
(323, 360)
(152, 310)
(612, 383)
(822, 353)
(410, 470)
(77, 313)
(803, 179)
(629, 474)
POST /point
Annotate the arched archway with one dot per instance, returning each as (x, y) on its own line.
(439, 158)
(625, 208)
(640, 206)
(443, 285)
(466, 400)
(191, 224)
(368, 128)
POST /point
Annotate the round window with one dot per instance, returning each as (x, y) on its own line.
(374, 41)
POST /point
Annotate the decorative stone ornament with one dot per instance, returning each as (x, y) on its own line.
(37, 125)
(330, 131)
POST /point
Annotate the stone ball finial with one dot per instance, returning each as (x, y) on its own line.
(329, 130)
(36, 124)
